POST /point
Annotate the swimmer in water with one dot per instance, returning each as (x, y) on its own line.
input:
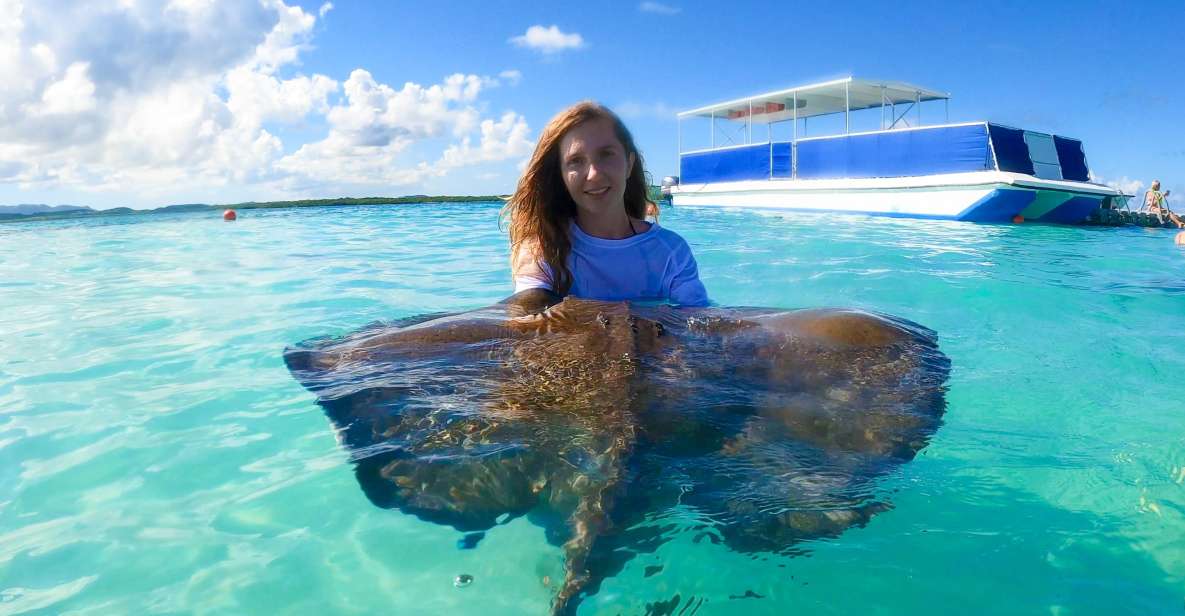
(578, 218)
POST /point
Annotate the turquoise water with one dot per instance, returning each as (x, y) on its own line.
(157, 457)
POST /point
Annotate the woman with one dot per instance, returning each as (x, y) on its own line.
(1155, 203)
(578, 218)
(1153, 199)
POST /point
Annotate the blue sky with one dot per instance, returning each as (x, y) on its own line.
(146, 103)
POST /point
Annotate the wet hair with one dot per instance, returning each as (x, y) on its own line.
(541, 209)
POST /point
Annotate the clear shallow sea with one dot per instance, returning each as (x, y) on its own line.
(157, 457)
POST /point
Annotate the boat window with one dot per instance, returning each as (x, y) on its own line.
(1043, 153)
(1072, 159)
(1012, 154)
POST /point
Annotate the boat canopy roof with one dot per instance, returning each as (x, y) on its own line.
(838, 96)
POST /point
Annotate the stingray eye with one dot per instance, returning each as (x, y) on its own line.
(659, 329)
(603, 320)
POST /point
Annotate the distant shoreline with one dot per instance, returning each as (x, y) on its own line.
(250, 205)
(86, 212)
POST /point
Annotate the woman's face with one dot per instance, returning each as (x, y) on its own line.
(595, 167)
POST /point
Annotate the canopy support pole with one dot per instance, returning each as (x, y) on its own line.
(749, 129)
(882, 107)
(794, 142)
(679, 135)
(901, 118)
(796, 116)
(847, 107)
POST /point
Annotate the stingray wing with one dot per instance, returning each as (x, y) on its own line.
(468, 417)
(410, 404)
(776, 425)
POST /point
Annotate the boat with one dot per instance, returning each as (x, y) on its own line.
(968, 171)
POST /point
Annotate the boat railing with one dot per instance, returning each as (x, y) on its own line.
(839, 101)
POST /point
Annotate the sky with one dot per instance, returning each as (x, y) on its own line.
(144, 103)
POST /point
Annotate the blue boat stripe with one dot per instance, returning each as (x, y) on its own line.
(1073, 211)
(1000, 205)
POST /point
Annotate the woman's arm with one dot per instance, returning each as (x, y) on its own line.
(527, 270)
(686, 288)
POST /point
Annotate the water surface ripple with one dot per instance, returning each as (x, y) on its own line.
(157, 457)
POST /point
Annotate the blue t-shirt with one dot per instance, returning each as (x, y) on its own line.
(656, 264)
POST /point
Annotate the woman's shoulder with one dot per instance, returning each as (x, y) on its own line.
(667, 237)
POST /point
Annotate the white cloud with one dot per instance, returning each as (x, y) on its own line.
(256, 97)
(45, 57)
(636, 110)
(549, 40)
(169, 95)
(1136, 188)
(507, 138)
(73, 93)
(659, 8)
(339, 160)
(376, 114)
(141, 100)
(285, 41)
(1124, 184)
(511, 76)
(377, 125)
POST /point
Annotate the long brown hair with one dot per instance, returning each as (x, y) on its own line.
(541, 209)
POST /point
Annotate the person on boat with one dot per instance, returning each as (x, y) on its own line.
(1154, 199)
(1155, 202)
(577, 219)
(652, 211)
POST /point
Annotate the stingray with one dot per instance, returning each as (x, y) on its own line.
(603, 421)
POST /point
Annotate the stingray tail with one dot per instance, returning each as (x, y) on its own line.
(588, 524)
(590, 521)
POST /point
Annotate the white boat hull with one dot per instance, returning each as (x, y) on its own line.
(988, 196)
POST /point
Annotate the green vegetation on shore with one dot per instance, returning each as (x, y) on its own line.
(655, 195)
(364, 201)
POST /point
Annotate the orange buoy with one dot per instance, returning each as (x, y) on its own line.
(1018, 219)
(229, 215)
